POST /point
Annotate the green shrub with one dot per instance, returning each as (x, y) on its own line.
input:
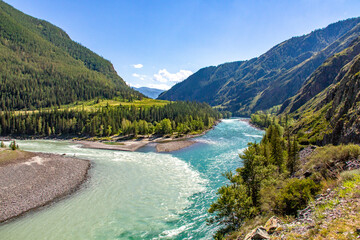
(349, 175)
(2, 145)
(341, 153)
(326, 160)
(295, 195)
(13, 145)
(303, 141)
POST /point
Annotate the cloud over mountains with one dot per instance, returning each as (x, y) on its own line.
(163, 79)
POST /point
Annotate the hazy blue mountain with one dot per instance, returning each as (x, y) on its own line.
(149, 92)
(244, 87)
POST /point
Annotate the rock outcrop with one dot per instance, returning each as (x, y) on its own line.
(258, 233)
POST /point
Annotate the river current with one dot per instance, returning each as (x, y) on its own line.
(139, 195)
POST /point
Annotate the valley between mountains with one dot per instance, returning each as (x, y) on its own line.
(265, 148)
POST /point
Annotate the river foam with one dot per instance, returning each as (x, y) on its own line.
(139, 195)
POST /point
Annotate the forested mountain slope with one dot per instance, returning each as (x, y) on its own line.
(333, 115)
(247, 86)
(40, 66)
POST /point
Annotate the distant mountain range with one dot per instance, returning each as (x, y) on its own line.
(40, 66)
(149, 92)
(244, 87)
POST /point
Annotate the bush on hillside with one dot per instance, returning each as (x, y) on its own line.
(330, 160)
(295, 195)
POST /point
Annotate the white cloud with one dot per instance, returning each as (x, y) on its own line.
(138, 65)
(139, 76)
(134, 85)
(159, 86)
(164, 76)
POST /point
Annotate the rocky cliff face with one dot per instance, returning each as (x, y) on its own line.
(332, 115)
(344, 114)
(323, 77)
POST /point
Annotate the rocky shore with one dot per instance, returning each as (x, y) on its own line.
(33, 180)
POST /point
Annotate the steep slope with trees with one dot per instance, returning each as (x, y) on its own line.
(260, 83)
(41, 66)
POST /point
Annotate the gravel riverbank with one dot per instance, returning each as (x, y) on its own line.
(32, 182)
(173, 146)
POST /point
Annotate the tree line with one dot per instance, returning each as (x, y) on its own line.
(179, 117)
(265, 184)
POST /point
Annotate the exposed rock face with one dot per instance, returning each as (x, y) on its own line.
(258, 233)
(345, 110)
(332, 116)
(272, 224)
(328, 73)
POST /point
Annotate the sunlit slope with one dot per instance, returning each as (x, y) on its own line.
(260, 83)
(40, 66)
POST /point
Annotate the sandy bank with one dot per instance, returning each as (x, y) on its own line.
(173, 145)
(35, 180)
(162, 144)
(128, 145)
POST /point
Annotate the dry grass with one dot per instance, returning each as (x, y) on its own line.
(93, 105)
(8, 156)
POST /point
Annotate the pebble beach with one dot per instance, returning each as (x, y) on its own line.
(35, 181)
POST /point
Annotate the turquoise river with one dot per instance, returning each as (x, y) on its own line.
(139, 195)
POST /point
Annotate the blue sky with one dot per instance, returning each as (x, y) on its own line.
(157, 43)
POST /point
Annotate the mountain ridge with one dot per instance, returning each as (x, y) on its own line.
(244, 87)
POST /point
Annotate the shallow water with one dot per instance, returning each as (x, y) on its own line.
(139, 195)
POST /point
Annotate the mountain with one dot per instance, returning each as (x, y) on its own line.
(149, 92)
(40, 66)
(244, 87)
(331, 115)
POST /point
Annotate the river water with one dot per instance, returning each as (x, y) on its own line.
(139, 195)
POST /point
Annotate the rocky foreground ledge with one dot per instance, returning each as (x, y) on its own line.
(31, 180)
